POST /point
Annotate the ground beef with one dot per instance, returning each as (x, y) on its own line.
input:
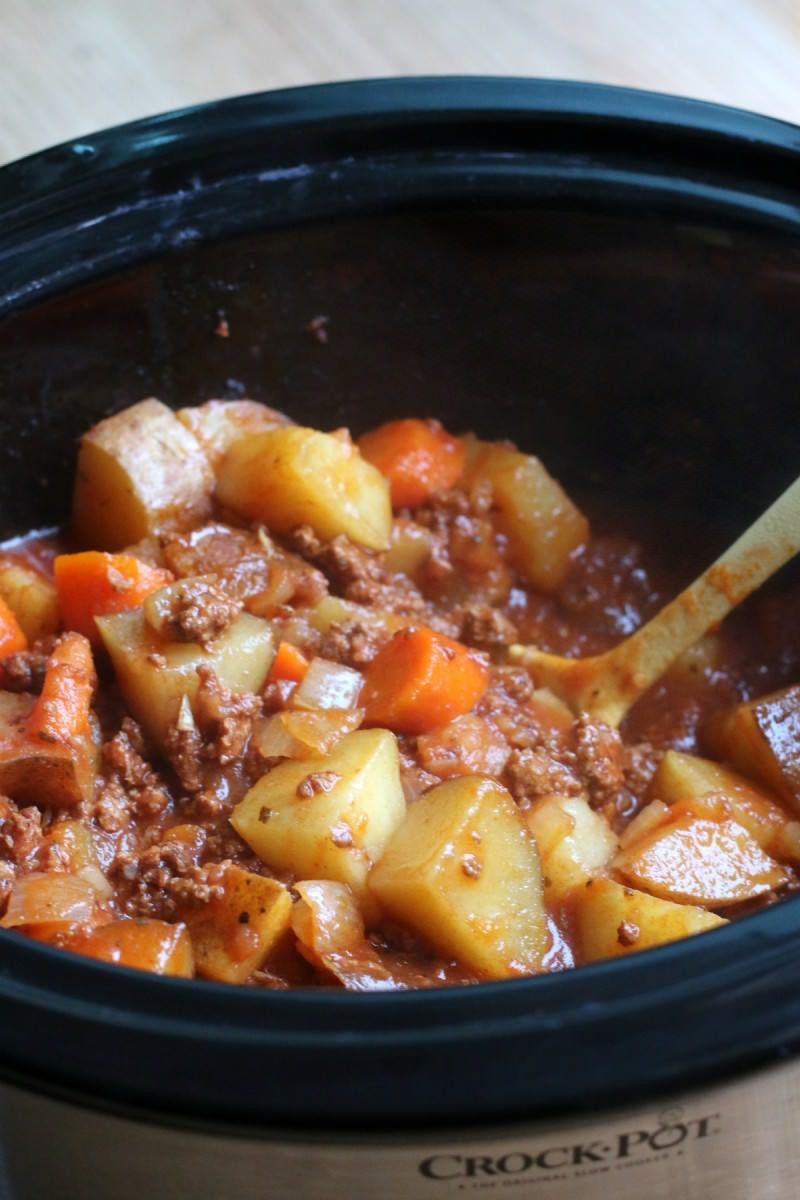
(440, 510)
(168, 879)
(357, 574)
(308, 584)
(112, 809)
(249, 566)
(347, 565)
(21, 835)
(228, 715)
(213, 548)
(485, 626)
(199, 610)
(350, 642)
(217, 738)
(185, 750)
(24, 671)
(600, 755)
(468, 560)
(305, 541)
(517, 683)
(505, 704)
(128, 774)
(531, 773)
(640, 762)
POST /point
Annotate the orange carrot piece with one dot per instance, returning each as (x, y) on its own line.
(417, 457)
(288, 664)
(12, 639)
(420, 680)
(61, 712)
(147, 944)
(93, 583)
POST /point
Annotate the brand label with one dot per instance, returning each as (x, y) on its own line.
(666, 1135)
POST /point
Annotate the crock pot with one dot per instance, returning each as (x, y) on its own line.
(613, 279)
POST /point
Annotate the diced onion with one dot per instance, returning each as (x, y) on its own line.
(272, 739)
(298, 734)
(326, 918)
(98, 882)
(328, 684)
(53, 898)
(281, 586)
(320, 730)
(185, 722)
(330, 932)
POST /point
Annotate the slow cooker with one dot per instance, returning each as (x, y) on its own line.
(608, 276)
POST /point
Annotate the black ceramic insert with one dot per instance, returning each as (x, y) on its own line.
(611, 278)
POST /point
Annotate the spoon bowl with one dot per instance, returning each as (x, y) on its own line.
(607, 685)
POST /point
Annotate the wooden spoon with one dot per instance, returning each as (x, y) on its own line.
(606, 685)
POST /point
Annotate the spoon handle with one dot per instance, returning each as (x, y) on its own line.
(636, 663)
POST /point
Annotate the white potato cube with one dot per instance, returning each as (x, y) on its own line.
(543, 526)
(217, 424)
(574, 841)
(296, 476)
(138, 472)
(154, 675)
(232, 936)
(463, 871)
(327, 817)
(612, 919)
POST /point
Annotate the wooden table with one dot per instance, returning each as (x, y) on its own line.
(68, 67)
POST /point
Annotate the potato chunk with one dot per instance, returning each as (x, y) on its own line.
(463, 871)
(146, 944)
(154, 675)
(762, 739)
(611, 919)
(297, 476)
(574, 842)
(31, 597)
(410, 547)
(693, 860)
(542, 525)
(49, 901)
(217, 424)
(52, 774)
(332, 610)
(138, 472)
(233, 936)
(327, 818)
(718, 792)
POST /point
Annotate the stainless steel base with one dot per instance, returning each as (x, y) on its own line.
(740, 1141)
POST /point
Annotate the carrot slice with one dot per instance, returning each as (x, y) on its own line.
(288, 664)
(93, 583)
(61, 712)
(12, 639)
(420, 680)
(417, 457)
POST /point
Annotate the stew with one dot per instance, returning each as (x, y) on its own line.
(259, 722)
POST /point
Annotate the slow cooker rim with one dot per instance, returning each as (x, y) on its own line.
(377, 97)
(764, 933)
(94, 184)
(118, 995)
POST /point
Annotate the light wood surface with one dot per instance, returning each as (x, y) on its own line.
(68, 67)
